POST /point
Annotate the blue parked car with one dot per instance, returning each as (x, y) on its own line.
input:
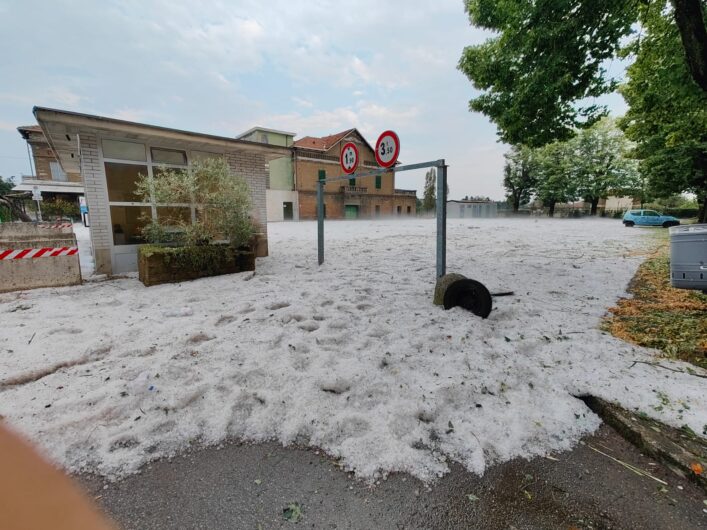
(649, 218)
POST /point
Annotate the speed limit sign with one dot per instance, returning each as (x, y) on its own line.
(349, 158)
(387, 149)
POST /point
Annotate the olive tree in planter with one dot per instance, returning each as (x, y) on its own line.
(202, 227)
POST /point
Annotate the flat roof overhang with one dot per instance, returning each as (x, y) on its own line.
(49, 186)
(61, 128)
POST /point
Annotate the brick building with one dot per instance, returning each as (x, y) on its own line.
(367, 197)
(109, 154)
(47, 174)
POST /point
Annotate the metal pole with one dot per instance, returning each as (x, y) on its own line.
(441, 208)
(320, 221)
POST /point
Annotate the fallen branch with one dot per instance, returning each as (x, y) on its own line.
(658, 365)
(636, 470)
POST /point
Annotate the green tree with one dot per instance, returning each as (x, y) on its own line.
(6, 185)
(547, 57)
(519, 176)
(556, 179)
(221, 201)
(429, 197)
(601, 165)
(667, 116)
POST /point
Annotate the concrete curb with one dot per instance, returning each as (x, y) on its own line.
(682, 451)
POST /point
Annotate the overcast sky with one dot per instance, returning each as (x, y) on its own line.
(312, 67)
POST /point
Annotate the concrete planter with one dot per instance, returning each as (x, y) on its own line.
(158, 265)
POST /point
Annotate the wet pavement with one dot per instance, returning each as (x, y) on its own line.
(249, 487)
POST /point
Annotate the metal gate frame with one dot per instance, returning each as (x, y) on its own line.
(441, 206)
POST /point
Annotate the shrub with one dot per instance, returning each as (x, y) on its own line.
(219, 204)
(59, 208)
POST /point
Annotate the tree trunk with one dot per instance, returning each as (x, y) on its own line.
(689, 18)
(702, 212)
(516, 204)
(595, 204)
(551, 209)
(22, 216)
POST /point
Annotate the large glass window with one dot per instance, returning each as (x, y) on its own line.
(168, 156)
(174, 215)
(128, 222)
(121, 179)
(201, 156)
(122, 150)
(129, 212)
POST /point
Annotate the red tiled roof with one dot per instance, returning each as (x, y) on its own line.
(322, 144)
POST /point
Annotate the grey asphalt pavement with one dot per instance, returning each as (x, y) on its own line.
(241, 486)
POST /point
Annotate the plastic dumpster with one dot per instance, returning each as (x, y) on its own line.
(688, 257)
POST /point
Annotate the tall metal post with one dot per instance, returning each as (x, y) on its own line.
(320, 221)
(441, 209)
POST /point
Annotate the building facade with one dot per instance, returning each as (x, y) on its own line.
(110, 155)
(367, 197)
(280, 195)
(471, 209)
(47, 174)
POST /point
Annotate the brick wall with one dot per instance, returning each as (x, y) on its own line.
(253, 169)
(307, 172)
(336, 203)
(96, 194)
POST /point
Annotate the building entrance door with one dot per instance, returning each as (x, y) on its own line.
(287, 211)
(351, 211)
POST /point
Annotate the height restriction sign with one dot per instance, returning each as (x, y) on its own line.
(387, 149)
(349, 158)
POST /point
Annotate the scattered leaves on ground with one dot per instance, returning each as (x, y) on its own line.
(659, 316)
(293, 512)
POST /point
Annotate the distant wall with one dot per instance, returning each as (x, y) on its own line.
(275, 207)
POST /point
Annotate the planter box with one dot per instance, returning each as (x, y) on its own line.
(176, 264)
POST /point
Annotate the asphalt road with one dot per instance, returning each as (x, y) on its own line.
(248, 486)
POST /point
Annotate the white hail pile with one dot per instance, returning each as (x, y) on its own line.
(351, 357)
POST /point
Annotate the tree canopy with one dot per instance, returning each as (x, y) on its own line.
(519, 176)
(6, 185)
(667, 116)
(547, 56)
(592, 165)
(546, 59)
(602, 164)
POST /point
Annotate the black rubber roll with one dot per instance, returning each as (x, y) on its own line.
(470, 295)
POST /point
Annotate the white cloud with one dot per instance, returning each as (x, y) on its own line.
(302, 102)
(225, 65)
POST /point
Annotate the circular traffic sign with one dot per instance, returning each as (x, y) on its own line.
(387, 149)
(349, 158)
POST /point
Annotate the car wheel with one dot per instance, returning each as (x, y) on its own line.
(668, 224)
(629, 224)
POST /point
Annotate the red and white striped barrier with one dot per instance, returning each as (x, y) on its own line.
(47, 252)
(55, 225)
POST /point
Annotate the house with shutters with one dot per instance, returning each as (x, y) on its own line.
(367, 197)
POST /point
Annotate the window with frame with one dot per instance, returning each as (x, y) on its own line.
(125, 162)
